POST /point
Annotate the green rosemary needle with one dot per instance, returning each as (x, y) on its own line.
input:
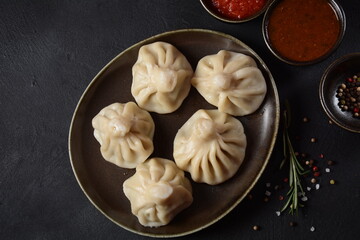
(295, 169)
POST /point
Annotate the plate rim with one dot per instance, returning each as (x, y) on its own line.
(258, 175)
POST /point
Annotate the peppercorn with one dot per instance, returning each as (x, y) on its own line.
(313, 180)
(305, 120)
(330, 162)
(313, 140)
(332, 182)
(316, 174)
(292, 224)
(348, 94)
(256, 227)
(315, 169)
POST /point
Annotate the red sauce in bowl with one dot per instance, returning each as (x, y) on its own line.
(303, 31)
(238, 9)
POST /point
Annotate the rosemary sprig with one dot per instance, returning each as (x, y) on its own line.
(295, 168)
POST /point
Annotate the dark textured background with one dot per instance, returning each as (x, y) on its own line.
(50, 51)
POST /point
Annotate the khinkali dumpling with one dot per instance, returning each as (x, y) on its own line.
(157, 192)
(211, 146)
(125, 133)
(230, 81)
(161, 78)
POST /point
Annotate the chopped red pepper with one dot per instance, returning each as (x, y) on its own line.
(238, 9)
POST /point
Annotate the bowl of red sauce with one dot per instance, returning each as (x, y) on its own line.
(303, 32)
(235, 11)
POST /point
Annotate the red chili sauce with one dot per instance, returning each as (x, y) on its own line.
(238, 9)
(303, 30)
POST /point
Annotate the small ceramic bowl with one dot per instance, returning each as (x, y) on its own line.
(210, 8)
(343, 68)
(265, 31)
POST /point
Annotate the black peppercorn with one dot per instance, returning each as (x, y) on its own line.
(292, 224)
(348, 94)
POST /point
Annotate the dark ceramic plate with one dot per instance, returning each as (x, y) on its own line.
(102, 181)
(343, 68)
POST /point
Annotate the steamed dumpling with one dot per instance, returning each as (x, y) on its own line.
(125, 133)
(210, 146)
(230, 81)
(157, 192)
(161, 78)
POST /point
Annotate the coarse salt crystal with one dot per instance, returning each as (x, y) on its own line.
(308, 188)
(304, 199)
(317, 186)
(268, 184)
(312, 229)
(267, 193)
(327, 170)
(278, 213)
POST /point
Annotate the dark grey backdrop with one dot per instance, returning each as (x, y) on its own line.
(50, 51)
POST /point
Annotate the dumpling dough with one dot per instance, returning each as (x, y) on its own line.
(230, 81)
(157, 192)
(210, 146)
(125, 133)
(161, 78)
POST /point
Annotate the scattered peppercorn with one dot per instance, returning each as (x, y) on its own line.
(316, 174)
(281, 197)
(305, 120)
(330, 162)
(332, 181)
(311, 162)
(266, 199)
(321, 155)
(286, 180)
(330, 122)
(304, 155)
(313, 140)
(292, 224)
(315, 169)
(313, 180)
(256, 228)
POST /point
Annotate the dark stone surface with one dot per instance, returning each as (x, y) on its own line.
(50, 51)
